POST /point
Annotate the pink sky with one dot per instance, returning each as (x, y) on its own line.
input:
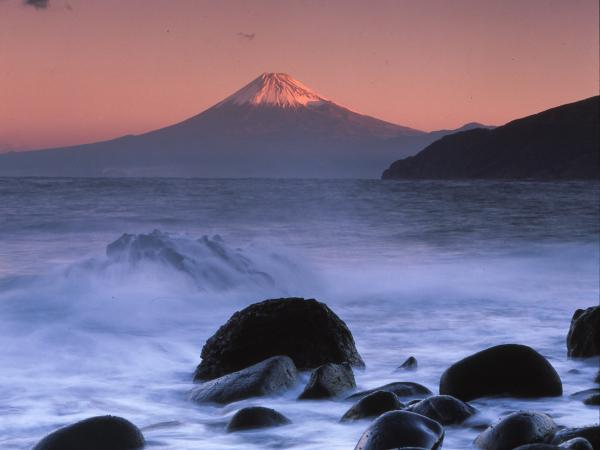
(82, 70)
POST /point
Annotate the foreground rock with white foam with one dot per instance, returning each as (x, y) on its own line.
(268, 377)
(307, 331)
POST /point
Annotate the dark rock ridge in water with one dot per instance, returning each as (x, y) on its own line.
(510, 369)
(402, 429)
(268, 377)
(518, 428)
(583, 339)
(444, 409)
(208, 261)
(409, 364)
(560, 143)
(329, 380)
(95, 433)
(305, 330)
(403, 389)
(254, 417)
(373, 405)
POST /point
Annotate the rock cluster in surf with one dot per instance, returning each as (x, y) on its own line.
(261, 349)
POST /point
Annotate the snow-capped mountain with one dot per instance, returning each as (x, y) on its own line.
(275, 89)
(273, 127)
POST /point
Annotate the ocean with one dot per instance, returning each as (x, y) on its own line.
(436, 270)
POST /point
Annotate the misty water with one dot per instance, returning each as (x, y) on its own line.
(437, 270)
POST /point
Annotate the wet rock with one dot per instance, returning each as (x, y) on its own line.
(409, 364)
(573, 444)
(590, 397)
(329, 380)
(510, 369)
(591, 433)
(403, 389)
(518, 428)
(305, 330)
(577, 444)
(444, 409)
(268, 377)
(373, 405)
(580, 395)
(537, 447)
(95, 433)
(255, 417)
(402, 429)
(583, 339)
(592, 400)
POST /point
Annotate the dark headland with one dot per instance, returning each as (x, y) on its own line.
(560, 143)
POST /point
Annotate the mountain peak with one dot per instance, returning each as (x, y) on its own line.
(275, 89)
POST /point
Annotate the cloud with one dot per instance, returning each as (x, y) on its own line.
(248, 36)
(38, 4)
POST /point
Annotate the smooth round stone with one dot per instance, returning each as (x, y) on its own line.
(329, 380)
(373, 405)
(444, 409)
(95, 433)
(255, 417)
(516, 429)
(510, 369)
(402, 429)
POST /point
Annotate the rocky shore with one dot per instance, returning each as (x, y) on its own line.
(261, 351)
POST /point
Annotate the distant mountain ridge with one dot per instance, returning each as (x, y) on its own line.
(559, 143)
(274, 126)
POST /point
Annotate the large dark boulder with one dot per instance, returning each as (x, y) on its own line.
(373, 405)
(510, 369)
(95, 433)
(402, 429)
(403, 389)
(255, 417)
(268, 377)
(591, 433)
(518, 428)
(444, 409)
(329, 380)
(583, 339)
(305, 330)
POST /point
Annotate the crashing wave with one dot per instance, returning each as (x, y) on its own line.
(208, 261)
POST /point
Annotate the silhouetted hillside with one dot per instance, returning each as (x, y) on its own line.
(560, 143)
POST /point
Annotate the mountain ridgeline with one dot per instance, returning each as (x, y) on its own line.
(273, 127)
(560, 143)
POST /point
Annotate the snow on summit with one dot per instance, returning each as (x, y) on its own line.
(275, 89)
